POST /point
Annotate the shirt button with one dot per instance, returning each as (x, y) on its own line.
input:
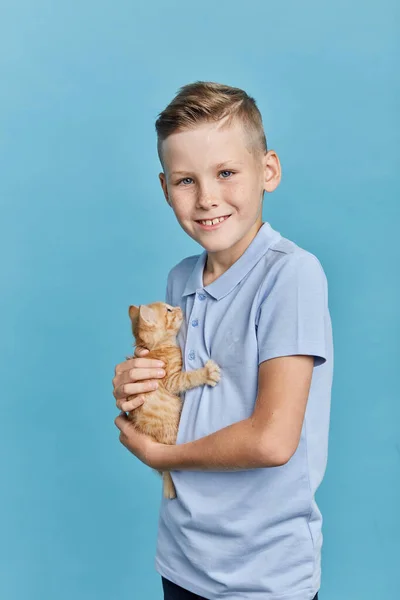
(195, 322)
(191, 355)
(202, 296)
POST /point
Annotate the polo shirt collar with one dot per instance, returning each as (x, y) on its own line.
(226, 282)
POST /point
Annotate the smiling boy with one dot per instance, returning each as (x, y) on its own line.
(252, 451)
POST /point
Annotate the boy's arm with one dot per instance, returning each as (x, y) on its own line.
(266, 439)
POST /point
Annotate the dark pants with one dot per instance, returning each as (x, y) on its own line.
(175, 592)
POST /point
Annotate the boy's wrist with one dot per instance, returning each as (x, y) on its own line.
(162, 457)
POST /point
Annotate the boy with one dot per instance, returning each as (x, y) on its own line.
(251, 451)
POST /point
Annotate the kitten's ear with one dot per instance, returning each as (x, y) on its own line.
(133, 312)
(147, 315)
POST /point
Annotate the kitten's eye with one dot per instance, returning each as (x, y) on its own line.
(169, 309)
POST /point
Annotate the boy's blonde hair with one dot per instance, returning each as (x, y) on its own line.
(206, 101)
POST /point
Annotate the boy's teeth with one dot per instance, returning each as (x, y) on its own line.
(214, 222)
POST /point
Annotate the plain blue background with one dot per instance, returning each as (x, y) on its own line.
(85, 231)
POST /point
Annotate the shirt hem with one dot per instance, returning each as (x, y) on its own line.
(164, 571)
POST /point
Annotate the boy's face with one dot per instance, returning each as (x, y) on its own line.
(210, 172)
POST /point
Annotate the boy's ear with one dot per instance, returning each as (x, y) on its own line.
(272, 171)
(163, 182)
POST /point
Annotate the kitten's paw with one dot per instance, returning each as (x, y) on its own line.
(213, 373)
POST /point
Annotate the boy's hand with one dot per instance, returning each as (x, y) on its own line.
(143, 446)
(134, 377)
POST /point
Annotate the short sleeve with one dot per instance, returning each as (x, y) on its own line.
(291, 316)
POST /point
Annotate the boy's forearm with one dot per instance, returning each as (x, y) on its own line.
(236, 447)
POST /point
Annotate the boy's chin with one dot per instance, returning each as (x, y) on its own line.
(212, 241)
(215, 245)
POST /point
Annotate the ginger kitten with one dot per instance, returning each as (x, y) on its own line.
(155, 327)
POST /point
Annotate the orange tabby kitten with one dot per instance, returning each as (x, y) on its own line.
(155, 327)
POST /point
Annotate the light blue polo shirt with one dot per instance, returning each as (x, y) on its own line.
(253, 534)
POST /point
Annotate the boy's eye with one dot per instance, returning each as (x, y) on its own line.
(185, 179)
(190, 179)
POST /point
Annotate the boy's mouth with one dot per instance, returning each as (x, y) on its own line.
(209, 224)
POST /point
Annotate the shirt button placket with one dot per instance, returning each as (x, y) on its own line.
(200, 297)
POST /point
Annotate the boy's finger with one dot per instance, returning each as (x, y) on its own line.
(131, 404)
(139, 374)
(148, 363)
(128, 363)
(139, 351)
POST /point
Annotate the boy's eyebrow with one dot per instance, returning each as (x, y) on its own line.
(218, 166)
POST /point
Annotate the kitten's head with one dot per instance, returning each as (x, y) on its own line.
(153, 324)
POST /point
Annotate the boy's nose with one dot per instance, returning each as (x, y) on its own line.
(206, 200)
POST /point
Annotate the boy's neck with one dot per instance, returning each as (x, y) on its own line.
(219, 262)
